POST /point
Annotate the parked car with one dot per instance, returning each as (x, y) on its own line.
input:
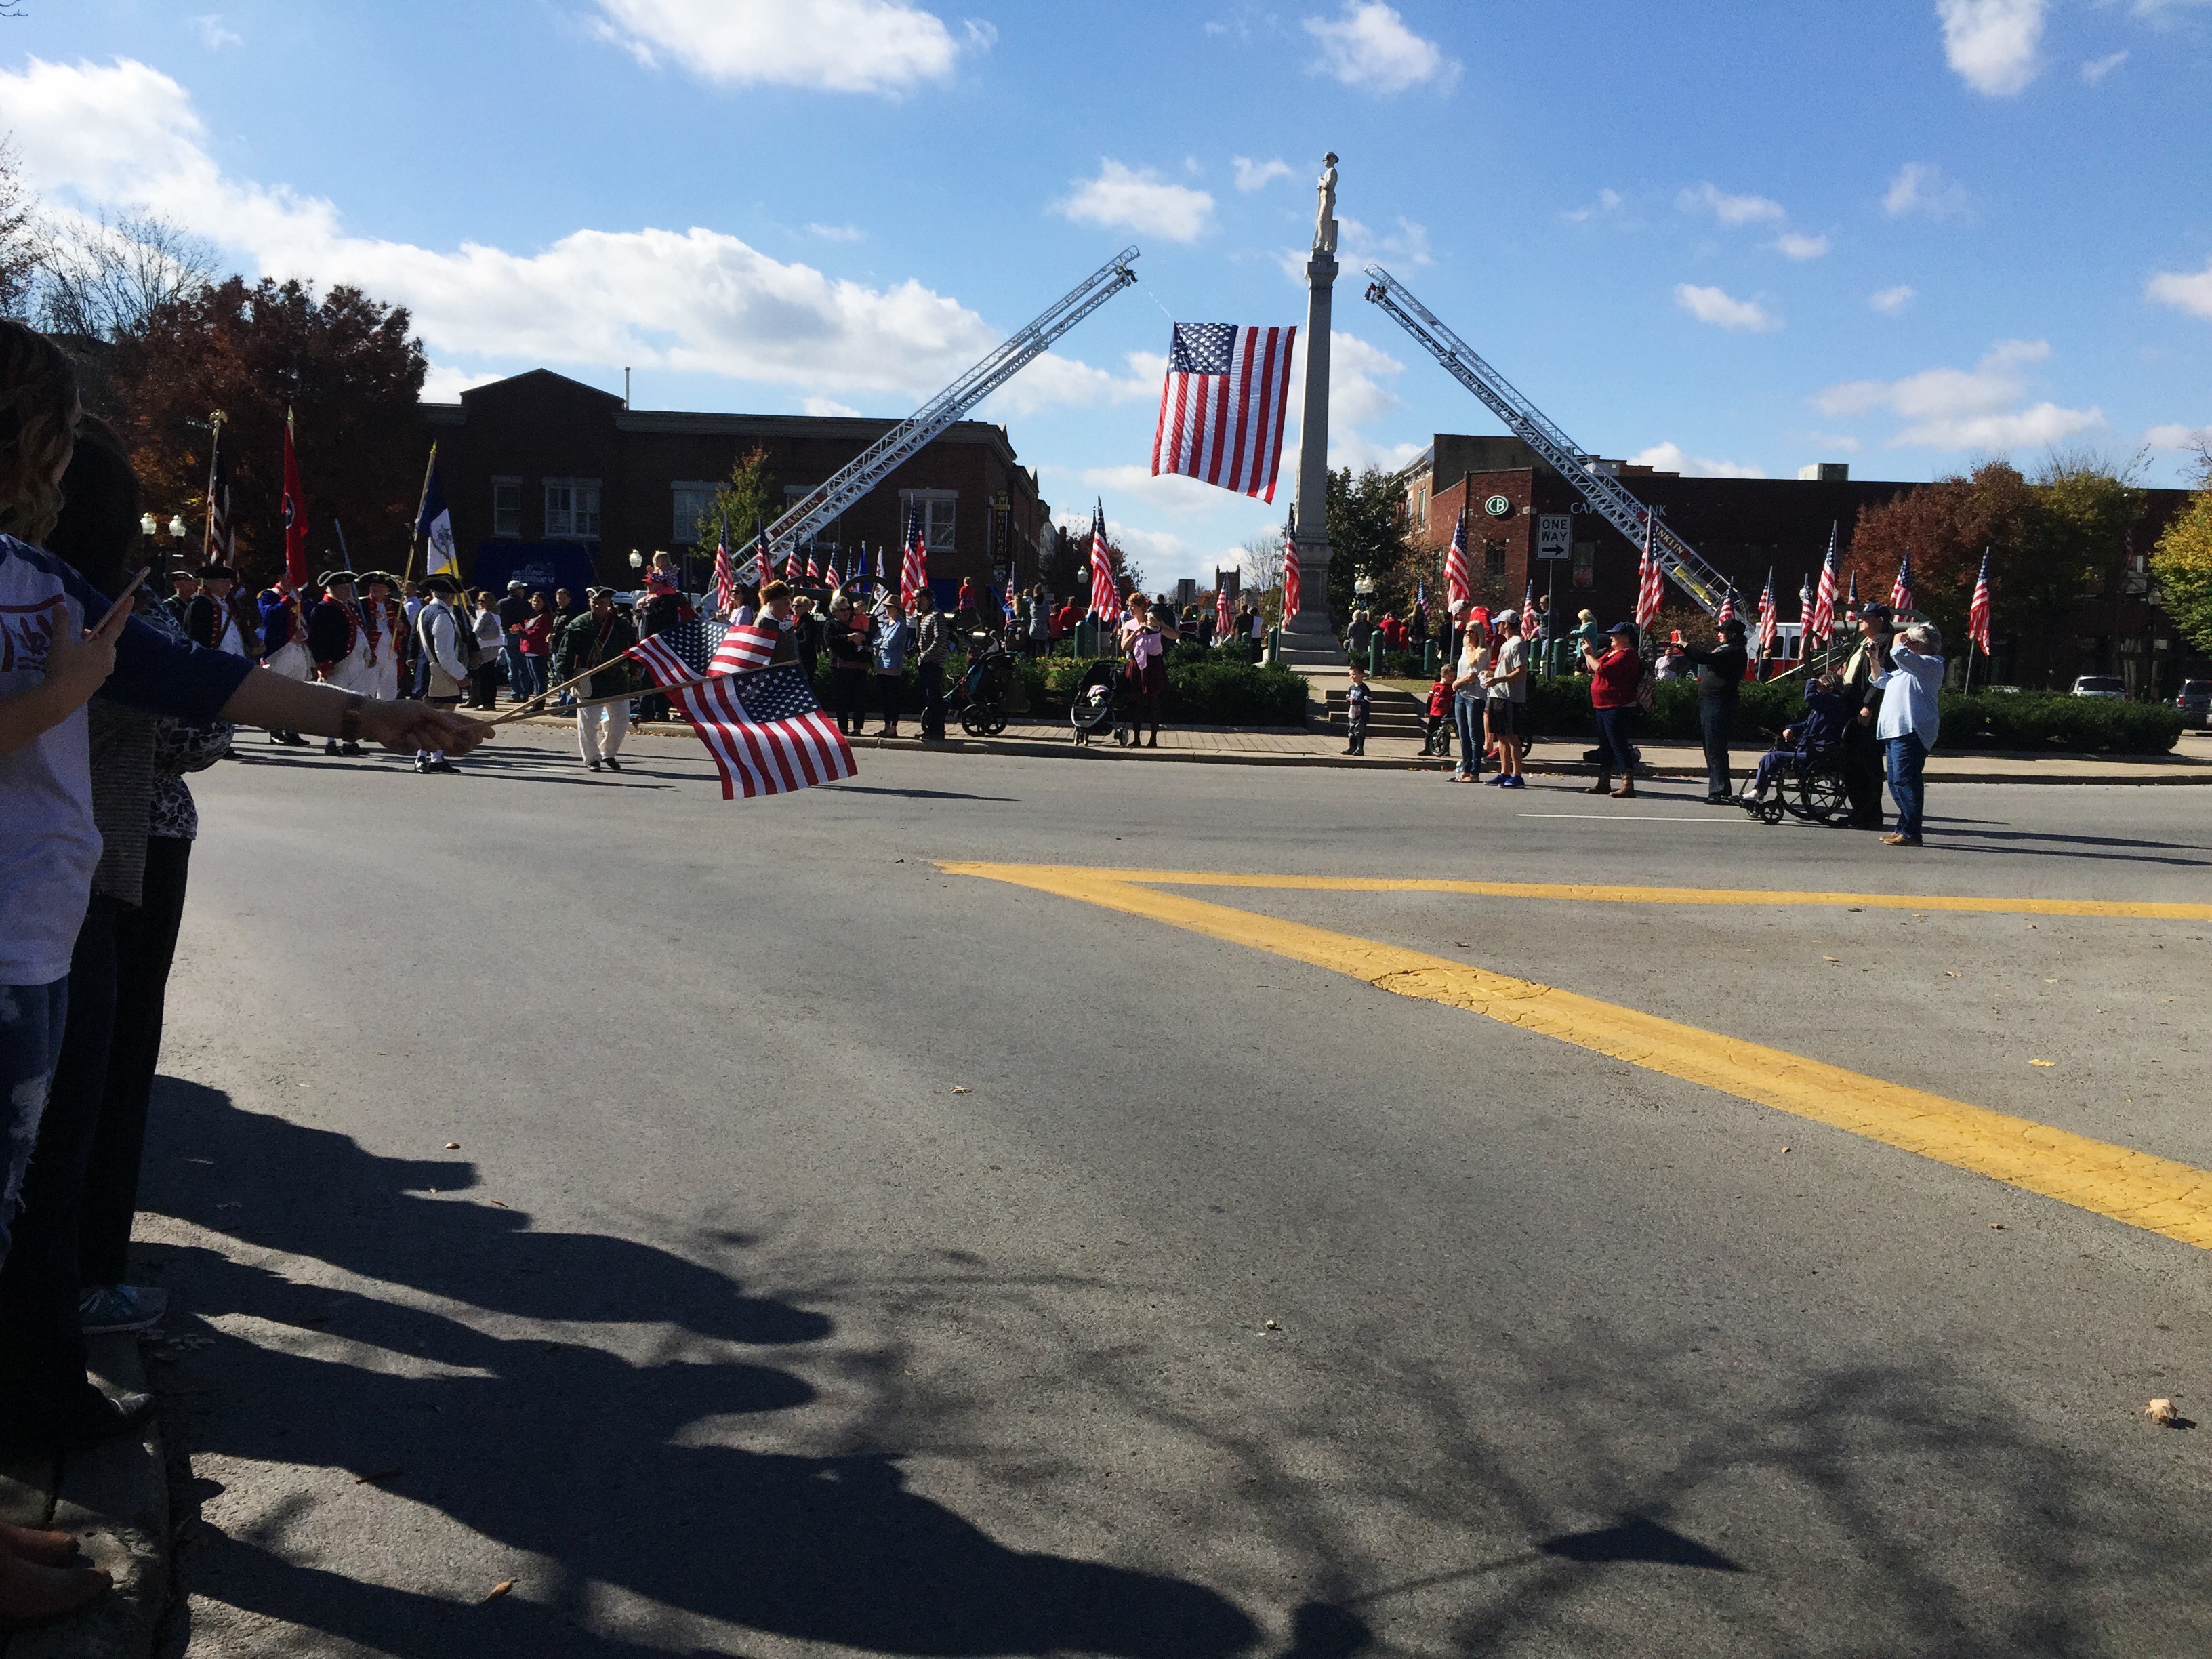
(2101, 685)
(2195, 701)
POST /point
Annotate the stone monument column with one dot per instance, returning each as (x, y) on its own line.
(1310, 629)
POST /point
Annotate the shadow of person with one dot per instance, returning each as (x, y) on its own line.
(611, 1468)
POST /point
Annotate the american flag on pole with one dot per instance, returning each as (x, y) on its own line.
(813, 568)
(1770, 625)
(1727, 608)
(1013, 595)
(765, 732)
(1220, 609)
(1222, 403)
(1900, 591)
(749, 645)
(757, 569)
(726, 575)
(682, 651)
(1459, 587)
(221, 532)
(1105, 594)
(1822, 622)
(914, 562)
(1978, 611)
(1650, 587)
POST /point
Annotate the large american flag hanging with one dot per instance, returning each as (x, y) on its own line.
(1105, 594)
(1822, 622)
(914, 563)
(1977, 612)
(765, 732)
(726, 575)
(1222, 403)
(1459, 587)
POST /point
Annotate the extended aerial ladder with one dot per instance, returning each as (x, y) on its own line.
(821, 504)
(1603, 491)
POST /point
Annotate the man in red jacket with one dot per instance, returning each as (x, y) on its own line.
(1616, 684)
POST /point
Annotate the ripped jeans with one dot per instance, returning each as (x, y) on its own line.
(31, 1021)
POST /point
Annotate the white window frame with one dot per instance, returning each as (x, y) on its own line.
(515, 484)
(684, 530)
(929, 500)
(567, 518)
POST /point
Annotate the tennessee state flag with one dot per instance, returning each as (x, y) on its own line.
(295, 517)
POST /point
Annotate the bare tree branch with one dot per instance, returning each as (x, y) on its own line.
(106, 279)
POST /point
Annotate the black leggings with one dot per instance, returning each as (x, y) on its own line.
(848, 689)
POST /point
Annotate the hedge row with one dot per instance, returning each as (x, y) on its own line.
(1994, 719)
(1205, 688)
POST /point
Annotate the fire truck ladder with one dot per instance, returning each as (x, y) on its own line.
(822, 504)
(1604, 492)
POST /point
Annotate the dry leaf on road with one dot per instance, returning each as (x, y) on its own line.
(500, 1589)
(958, 1089)
(2162, 1411)
(2043, 1062)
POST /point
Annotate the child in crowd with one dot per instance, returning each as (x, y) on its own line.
(1826, 715)
(1356, 699)
(1436, 723)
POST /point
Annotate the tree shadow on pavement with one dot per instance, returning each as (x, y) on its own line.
(566, 1450)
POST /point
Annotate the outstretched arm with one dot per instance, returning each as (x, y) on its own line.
(270, 701)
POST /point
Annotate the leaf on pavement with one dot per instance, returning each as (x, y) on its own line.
(452, 1146)
(2161, 1412)
(2043, 1062)
(958, 1089)
(499, 1589)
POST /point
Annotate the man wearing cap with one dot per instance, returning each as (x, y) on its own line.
(1506, 697)
(337, 639)
(1616, 676)
(1863, 754)
(184, 587)
(1720, 669)
(285, 644)
(598, 639)
(439, 629)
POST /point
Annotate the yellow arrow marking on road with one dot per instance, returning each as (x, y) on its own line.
(2155, 1193)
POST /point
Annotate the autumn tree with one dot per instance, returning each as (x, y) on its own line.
(1366, 523)
(2183, 563)
(345, 363)
(739, 507)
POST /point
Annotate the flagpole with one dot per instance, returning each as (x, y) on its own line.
(214, 458)
(421, 501)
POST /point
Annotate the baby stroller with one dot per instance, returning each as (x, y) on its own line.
(983, 692)
(1103, 702)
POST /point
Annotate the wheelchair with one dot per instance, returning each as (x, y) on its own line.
(1810, 787)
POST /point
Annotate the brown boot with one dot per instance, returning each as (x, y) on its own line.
(1627, 792)
(31, 1593)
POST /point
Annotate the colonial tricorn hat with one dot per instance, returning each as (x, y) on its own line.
(438, 582)
(333, 578)
(384, 576)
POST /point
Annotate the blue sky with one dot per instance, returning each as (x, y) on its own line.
(1715, 237)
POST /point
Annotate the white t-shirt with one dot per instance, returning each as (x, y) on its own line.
(1512, 654)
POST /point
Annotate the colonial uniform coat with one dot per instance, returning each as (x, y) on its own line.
(339, 641)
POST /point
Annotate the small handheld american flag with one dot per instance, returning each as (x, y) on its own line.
(750, 645)
(1727, 608)
(680, 652)
(1222, 405)
(765, 732)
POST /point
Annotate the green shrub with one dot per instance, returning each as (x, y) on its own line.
(1983, 720)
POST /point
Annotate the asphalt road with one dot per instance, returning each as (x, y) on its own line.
(841, 1256)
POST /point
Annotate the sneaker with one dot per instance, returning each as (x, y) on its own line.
(1901, 840)
(591, 765)
(110, 1308)
(1514, 782)
(1495, 779)
(611, 764)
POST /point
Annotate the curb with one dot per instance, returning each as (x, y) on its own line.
(1064, 750)
(115, 1498)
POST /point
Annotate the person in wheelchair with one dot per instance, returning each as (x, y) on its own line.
(1826, 715)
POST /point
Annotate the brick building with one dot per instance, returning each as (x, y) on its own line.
(1742, 527)
(556, 482)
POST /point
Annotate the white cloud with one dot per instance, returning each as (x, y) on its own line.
(836, 233)
(1890, 300)
(1922, 188)
(1253, 175)
(1712, 305)
(1368, 45)
(1732, 209)
(1170, 492)
(1991, 43)
(1056, 382)
(444, 384)
(832, 46)
(1669, 458)
(126, 137)
(1794, 244)
(2183, 290)
(1962, 408)
(214, 33)
(1140, 199)
(1357, 245)
(2096, 68)
(826, 406)
(2174, 435)
(1607, 201)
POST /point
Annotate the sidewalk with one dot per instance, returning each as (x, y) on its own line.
(2190, 762)
(114, 1498)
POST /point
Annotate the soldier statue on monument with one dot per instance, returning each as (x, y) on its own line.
(1325, 220)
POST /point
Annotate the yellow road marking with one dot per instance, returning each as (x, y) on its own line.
(2114, 908)
(2155, 1193)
